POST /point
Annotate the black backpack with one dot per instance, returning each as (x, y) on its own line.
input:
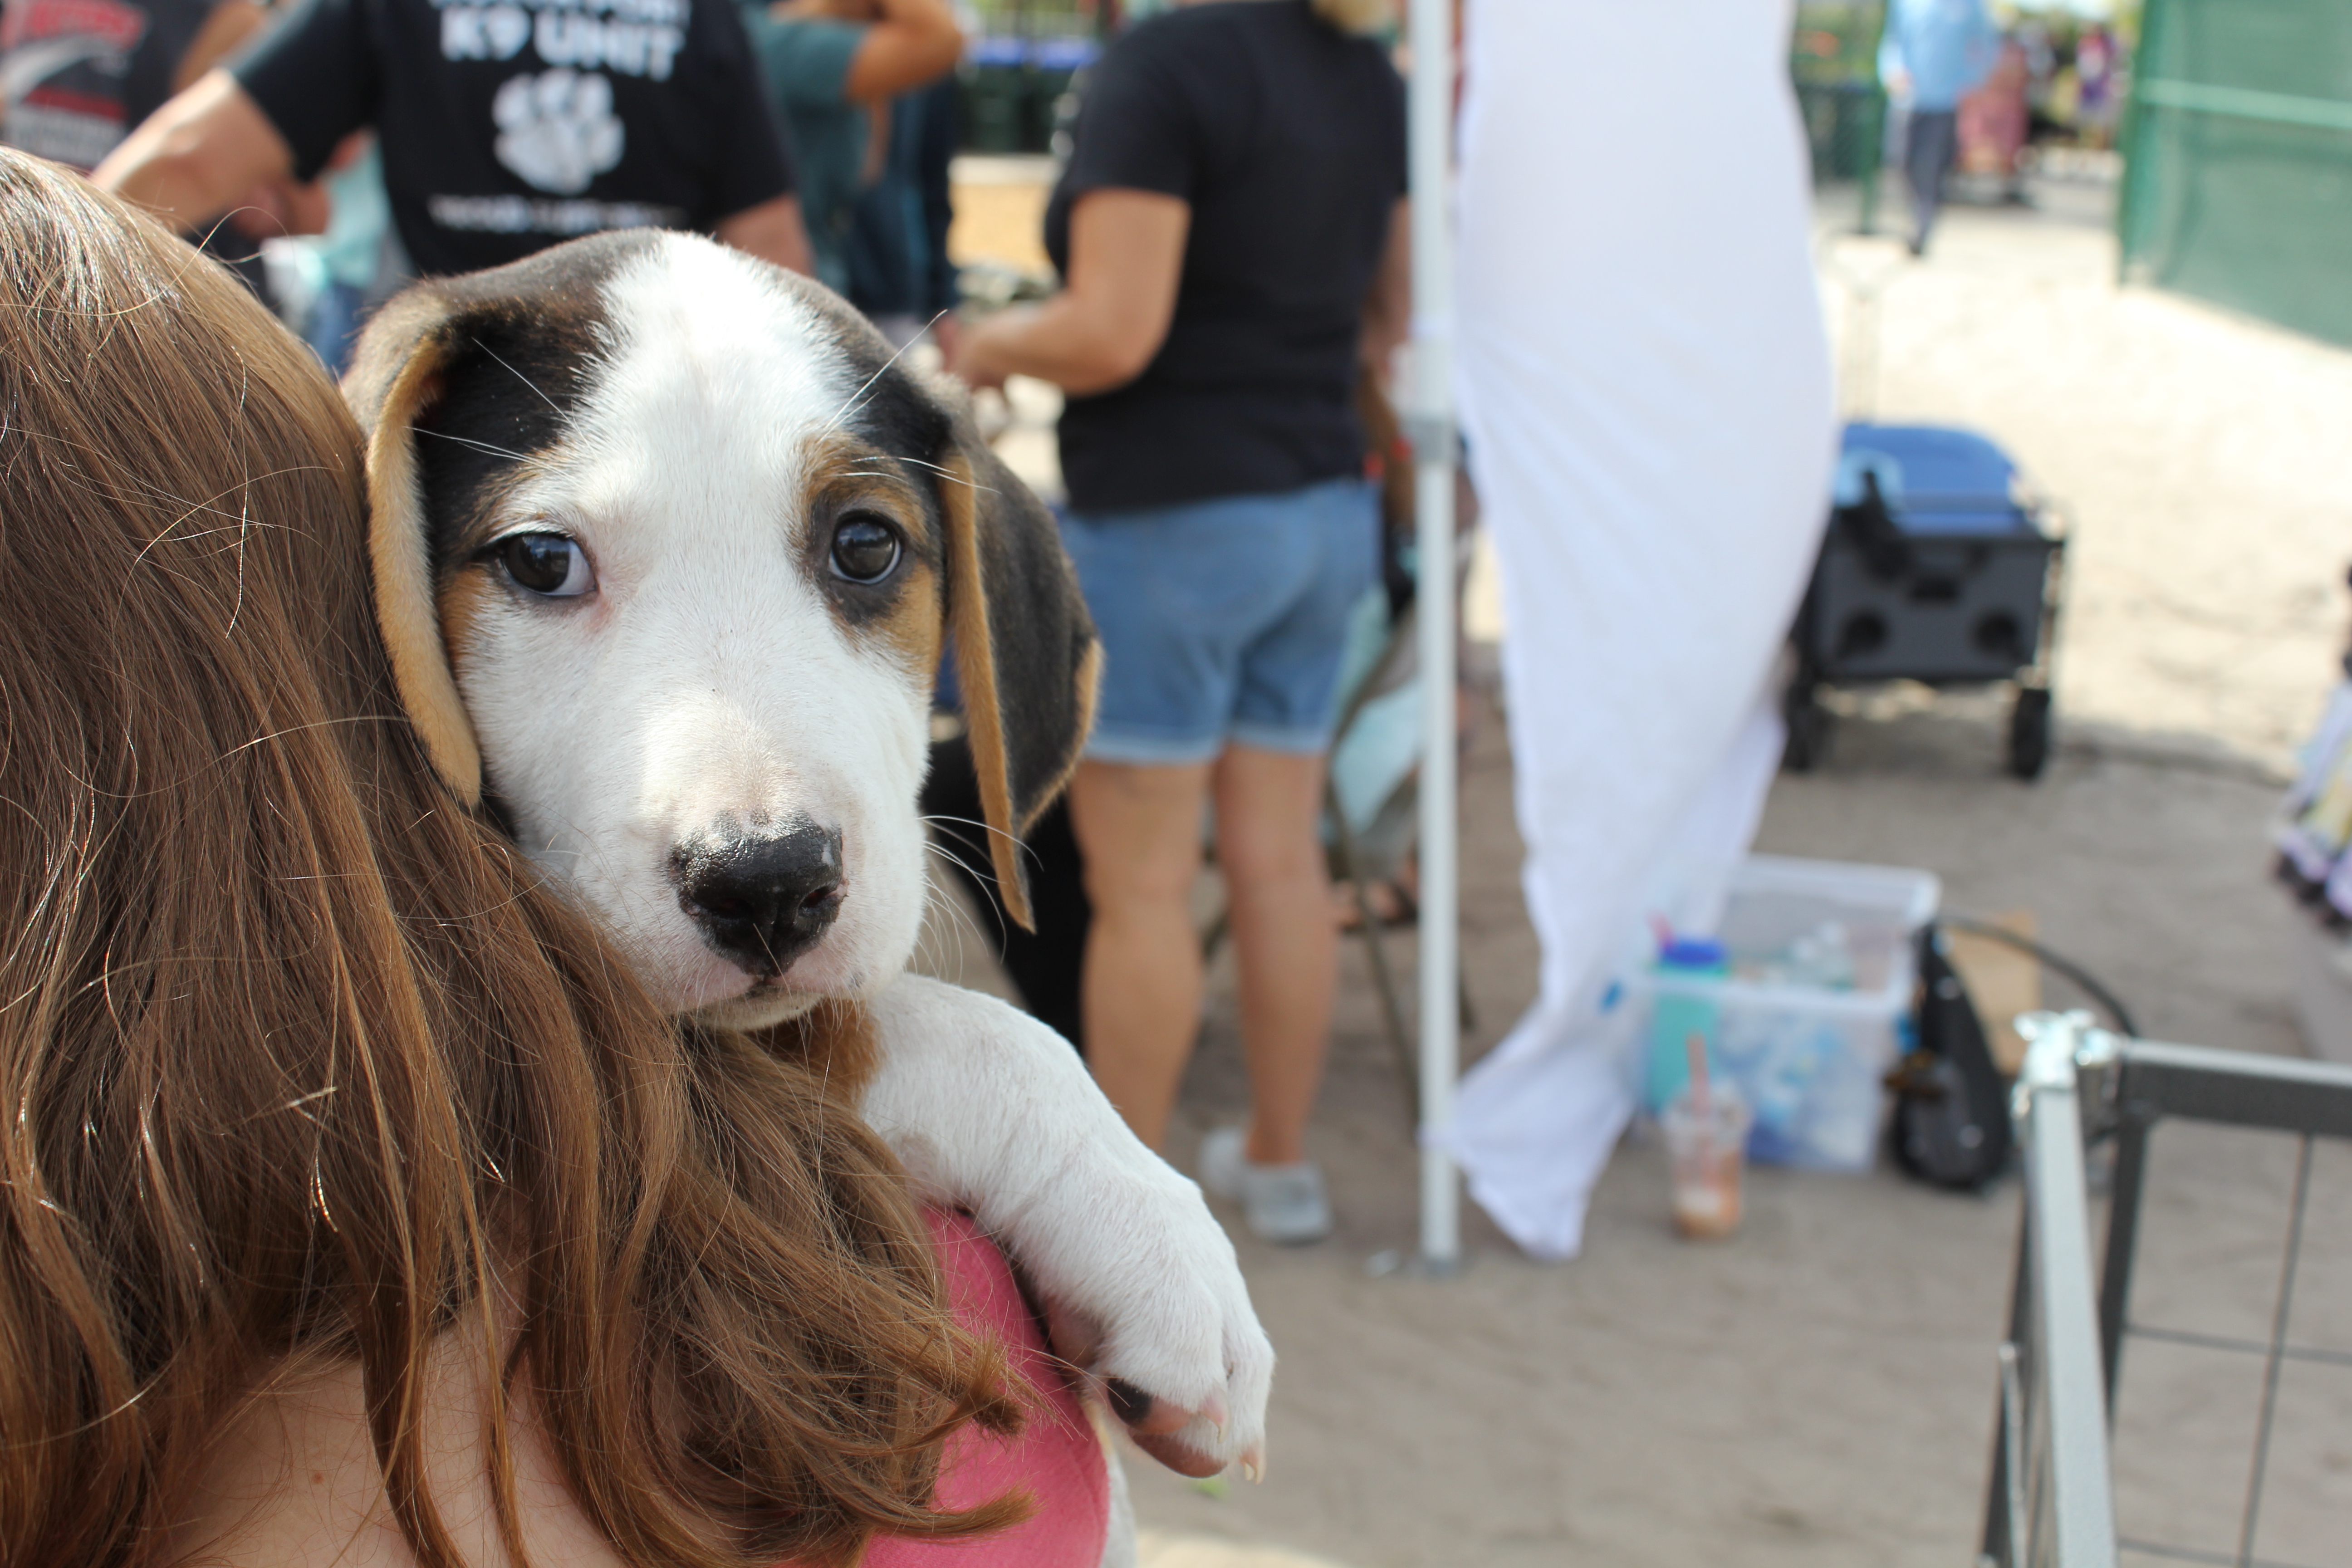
(1951, 1103)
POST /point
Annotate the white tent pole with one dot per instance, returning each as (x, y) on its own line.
(1430, 423)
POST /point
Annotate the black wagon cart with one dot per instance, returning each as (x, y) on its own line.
(1938, 567)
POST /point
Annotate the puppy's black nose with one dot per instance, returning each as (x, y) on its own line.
(762, 901)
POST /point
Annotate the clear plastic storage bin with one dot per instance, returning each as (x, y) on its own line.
(1822, 967)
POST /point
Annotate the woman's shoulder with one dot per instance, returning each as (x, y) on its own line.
(1221, 39)
(1218, 24)
(293, 1479)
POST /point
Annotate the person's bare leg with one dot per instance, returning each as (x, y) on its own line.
(1268, 803)
(1139, 829)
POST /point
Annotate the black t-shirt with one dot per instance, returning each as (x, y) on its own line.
(511, 124)
(79, 74)
(1287, 139)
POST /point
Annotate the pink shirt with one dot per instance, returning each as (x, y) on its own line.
(1055, 1458)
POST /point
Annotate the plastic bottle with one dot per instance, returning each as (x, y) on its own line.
(1822, 959)
(1682, 1006)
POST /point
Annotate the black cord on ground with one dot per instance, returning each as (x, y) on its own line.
(2056, 963)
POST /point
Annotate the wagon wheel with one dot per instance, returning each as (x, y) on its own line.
(2029, 733)
(1809, 726)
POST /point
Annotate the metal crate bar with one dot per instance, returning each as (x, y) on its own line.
(2244, 1347)
(2192, 1554)
(2135, 1084)
(2281, 1094)
(2050, 1500)
(2053, 1495)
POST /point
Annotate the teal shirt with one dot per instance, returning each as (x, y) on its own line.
(806, 64)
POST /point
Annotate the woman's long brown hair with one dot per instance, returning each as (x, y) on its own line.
(301, 1062)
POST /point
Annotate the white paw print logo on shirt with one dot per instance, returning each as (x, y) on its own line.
(557, 128)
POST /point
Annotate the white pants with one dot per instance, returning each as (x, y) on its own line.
(1646, 391)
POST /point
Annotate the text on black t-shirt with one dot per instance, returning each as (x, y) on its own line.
(510, 125)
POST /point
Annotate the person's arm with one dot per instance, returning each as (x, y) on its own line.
(199, 154)
(772, 231)
(1894, 73)
(232, 21)
(910, 43)
(1388, 304)
(249, 136)
(1126, 258)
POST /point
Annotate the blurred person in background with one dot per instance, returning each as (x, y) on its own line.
(77, 74)
(2098, 63)
(1933, 54)
(834, 66)
(899, 272)
(1993, 122)
(1231, 237)
(503, 130)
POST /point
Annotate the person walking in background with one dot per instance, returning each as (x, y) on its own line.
(500, 135)
(834, 66)
(1229, 233)
(1933, 54)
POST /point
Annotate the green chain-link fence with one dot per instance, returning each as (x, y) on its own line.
(1834, 59)
(2238, 182)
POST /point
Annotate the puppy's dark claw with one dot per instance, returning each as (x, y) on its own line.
(1184, 1461)
(1129, 1403)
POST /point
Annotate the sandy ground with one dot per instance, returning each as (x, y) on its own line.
(1000, 212)
(1820, 1390)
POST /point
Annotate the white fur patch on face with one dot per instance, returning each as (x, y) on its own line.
(703, 693)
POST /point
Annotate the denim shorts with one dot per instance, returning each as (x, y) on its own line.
(1223, 620)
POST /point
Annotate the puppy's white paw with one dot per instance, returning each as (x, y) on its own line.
(992, 1110)
(1164, 1320)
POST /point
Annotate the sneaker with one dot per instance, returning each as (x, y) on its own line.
(1284, 1204)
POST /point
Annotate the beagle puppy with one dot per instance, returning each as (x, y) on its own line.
(666, 547)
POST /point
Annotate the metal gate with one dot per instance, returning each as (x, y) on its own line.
(2051, 1500)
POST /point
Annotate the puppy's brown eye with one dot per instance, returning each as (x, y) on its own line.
(865, 548)
(546, 564)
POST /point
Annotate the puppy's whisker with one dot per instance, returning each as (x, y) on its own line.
(939, 901)
(964, 480)
(518, 374)
(846, 409)
(477, 446)
(1019, 845)
(956, 907)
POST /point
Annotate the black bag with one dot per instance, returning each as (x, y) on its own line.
(1951, 1105)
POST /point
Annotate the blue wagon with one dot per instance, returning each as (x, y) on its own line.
(1936, 567)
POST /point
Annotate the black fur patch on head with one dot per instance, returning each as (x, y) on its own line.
(521, 351)
(895, 413)
(893, 416)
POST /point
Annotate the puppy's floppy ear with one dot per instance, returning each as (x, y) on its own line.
(1026, 653)
(395, 377)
